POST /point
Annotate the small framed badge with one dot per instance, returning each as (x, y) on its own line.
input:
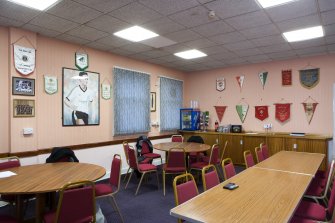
(81, 61)
(23, 108)
(23, 86)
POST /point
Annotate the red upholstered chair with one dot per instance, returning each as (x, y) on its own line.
(228, 168)
(176, 163)
(184, 191)
(248, 159)
(177, 138)
(113, 186)
(140, 167)
(76, 204)
(297, 219)
(265, 150)
(193, 156)
(210, 177)
(315, 211)
(147, 154)
(259, 155)
(7, 219)
(218, 161)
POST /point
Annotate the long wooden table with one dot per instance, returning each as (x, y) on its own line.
(41, 178)
(264, 194)
(188, 146)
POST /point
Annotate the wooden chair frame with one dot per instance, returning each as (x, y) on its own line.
(204, 171)
(227, 160)
(245, 153)
(256, 150)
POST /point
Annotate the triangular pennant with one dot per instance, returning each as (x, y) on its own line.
(283, 112)
(262, 77)
(261, 112)
(309, 108)
(220, 110)
(242, 111)
(240, 81)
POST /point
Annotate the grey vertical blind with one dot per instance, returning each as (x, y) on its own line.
(171, 100)
(131, 101)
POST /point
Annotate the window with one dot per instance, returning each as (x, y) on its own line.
(131, 101)
(171, 101)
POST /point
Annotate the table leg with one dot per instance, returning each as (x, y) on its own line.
(18, 206)
(40, 204)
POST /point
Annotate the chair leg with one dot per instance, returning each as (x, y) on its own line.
(157, 179)
(131, 174)
(125, 177)
(116, 207)
(138, 187)
(163, 182)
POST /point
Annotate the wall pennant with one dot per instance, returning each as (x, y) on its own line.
(240, 81)
(309, 78)
(263, 76)
(81, 61)
(24, 59)
(286, 77)
(220, 110)
(309, 108)
(220, 84)
(283, 111)
(242, 110)
(50, 84)
(261, 112)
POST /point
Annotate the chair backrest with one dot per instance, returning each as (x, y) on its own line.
(115, 174)
(145, 148)
(248, 159)
(177, 138)
(76, 203)
(265, 150)
(9, 162)
(132, 156)
(223, 150)
(228, 168)
(215, 154)
(186, 190)
(331, 202)
(125, 149)
(176, 158)
(210, 177)
(259, 154)
(197, 139)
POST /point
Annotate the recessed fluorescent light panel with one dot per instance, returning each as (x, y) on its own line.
(304, 34)
(190, 54)
(35, 4)
(136, 34)
(272, 3)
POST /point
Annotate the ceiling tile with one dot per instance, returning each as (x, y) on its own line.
(214, 50)
(276, 48)
(98, 46)
(239, 45)
(168, 58)
(73, 11)
(312, 50)
(183, 36)
(257, 58)
(86, 32)
(248, 52)
(40, 30)
(232, 37)
(268, 40)
(213, 28)
(72, 39)
(108, 24)
(176, 48)
(199, 43)
(308, 43)
(249, 20)
(326, 5)
(17, 12)
(292, 10)
(139, 56)
(230, 8)
(330, 29)
(280, 55)
(135, 13)
(228, 55)
(136, 47)
(104, 5)
(235, 61)
(52, 22)
(167, 7)
(299, 23)
(155, 53)
(163, 25)
(10, 22)
(113, 41)
(331, 48)
(260, 31)
(193, 17)
(328, 17)
(330, 39)
(158, 42)
(120, 51)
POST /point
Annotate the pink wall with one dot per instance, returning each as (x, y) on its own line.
(201, 86)
(51, 56)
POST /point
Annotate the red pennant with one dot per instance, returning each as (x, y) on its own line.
(261, 112)
(283, 112)
(220, 110)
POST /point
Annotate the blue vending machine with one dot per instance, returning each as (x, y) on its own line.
(189, 119)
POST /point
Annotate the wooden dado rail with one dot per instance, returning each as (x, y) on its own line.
(240, 142)
(114, 141)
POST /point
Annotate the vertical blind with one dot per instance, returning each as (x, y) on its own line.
(171, 100)
(131, 101)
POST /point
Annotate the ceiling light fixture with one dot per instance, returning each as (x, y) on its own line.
(304, 34)
(272, 3)
(35, 4)
(190, 54)
(135, 34)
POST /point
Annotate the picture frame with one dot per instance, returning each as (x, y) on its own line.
(152, 101)
(80, 98)
(23, 86)
(23, 108)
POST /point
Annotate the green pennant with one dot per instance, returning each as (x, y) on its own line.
(242, 111)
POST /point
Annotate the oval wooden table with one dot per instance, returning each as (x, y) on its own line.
(188, 146)
(42, 178)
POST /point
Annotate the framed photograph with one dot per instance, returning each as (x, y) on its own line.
(152, 101)
(23, 86)
(23, 108)
(81, 97)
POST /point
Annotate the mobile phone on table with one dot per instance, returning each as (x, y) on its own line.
(230, 186)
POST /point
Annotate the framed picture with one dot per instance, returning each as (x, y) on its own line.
(23, 86)
(81, 97)
(23, 108)
(152, 101)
